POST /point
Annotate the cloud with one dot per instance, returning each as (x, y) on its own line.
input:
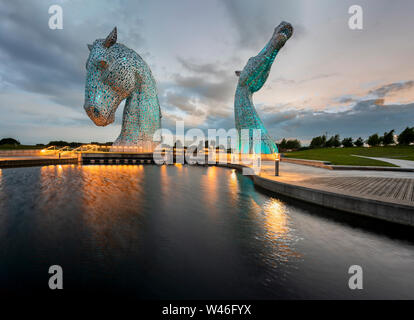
(45, 69)
(52, 62)
(383, 91)
(183, 103)
(309, 79)
(254, 21)
(203, 90)
(364, 118)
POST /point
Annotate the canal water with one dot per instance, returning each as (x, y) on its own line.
(183, 232)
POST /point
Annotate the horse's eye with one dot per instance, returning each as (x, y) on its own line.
(103, 64)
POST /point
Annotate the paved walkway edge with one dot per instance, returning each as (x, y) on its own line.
(36, 162)
(386, 211)
(329, 166)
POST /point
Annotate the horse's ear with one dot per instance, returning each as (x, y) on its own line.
(111, 39)
(90, 47)
(237, 73)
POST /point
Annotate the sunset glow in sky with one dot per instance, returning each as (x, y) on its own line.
(327, 78)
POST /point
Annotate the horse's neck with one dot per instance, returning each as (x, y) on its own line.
(142, 110)
(243, 98)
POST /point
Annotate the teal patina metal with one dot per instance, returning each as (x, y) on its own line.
(115, 73)
(251, 79)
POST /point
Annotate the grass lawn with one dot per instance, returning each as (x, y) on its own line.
(343, 156)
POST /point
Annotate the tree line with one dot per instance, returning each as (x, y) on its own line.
(57, 143)
(406, 137)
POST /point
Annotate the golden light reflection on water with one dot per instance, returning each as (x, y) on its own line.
(275, 218)
(276, 232)
(233, 187)
(165, 180)
(276, 224)
(112, 197)
(209, 183)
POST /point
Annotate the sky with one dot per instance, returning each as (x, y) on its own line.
(327, 79)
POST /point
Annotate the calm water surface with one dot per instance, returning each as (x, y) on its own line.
(185, 232)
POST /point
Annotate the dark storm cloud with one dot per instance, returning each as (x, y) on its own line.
(36, 58)
(52, 62)
(365, 118)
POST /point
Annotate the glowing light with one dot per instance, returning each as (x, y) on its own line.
(233, 174)
(276, 218)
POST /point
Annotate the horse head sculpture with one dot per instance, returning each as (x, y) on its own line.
(251, 79)
(115, 73)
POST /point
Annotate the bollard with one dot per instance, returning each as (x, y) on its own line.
(277, 162)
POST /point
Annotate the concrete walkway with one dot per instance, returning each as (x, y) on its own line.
(28, 161)
(398, 162)
(395, 187)
(296, 172)
(383, 195)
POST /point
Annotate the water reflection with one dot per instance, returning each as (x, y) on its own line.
(233, 187)
(277, 226)
(182, 232)
(210, 190)
(112, 199)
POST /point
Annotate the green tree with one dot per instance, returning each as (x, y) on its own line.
(359, 142)
(336, 141)
(282, 144)
(293, 144)
(388, 138)
(318, 142)
(9, 141)
(406, 137)
(333, 142)
(58, 143)
(347, 142)
(373, 140)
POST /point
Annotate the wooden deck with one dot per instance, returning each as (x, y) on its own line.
(385, 189)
